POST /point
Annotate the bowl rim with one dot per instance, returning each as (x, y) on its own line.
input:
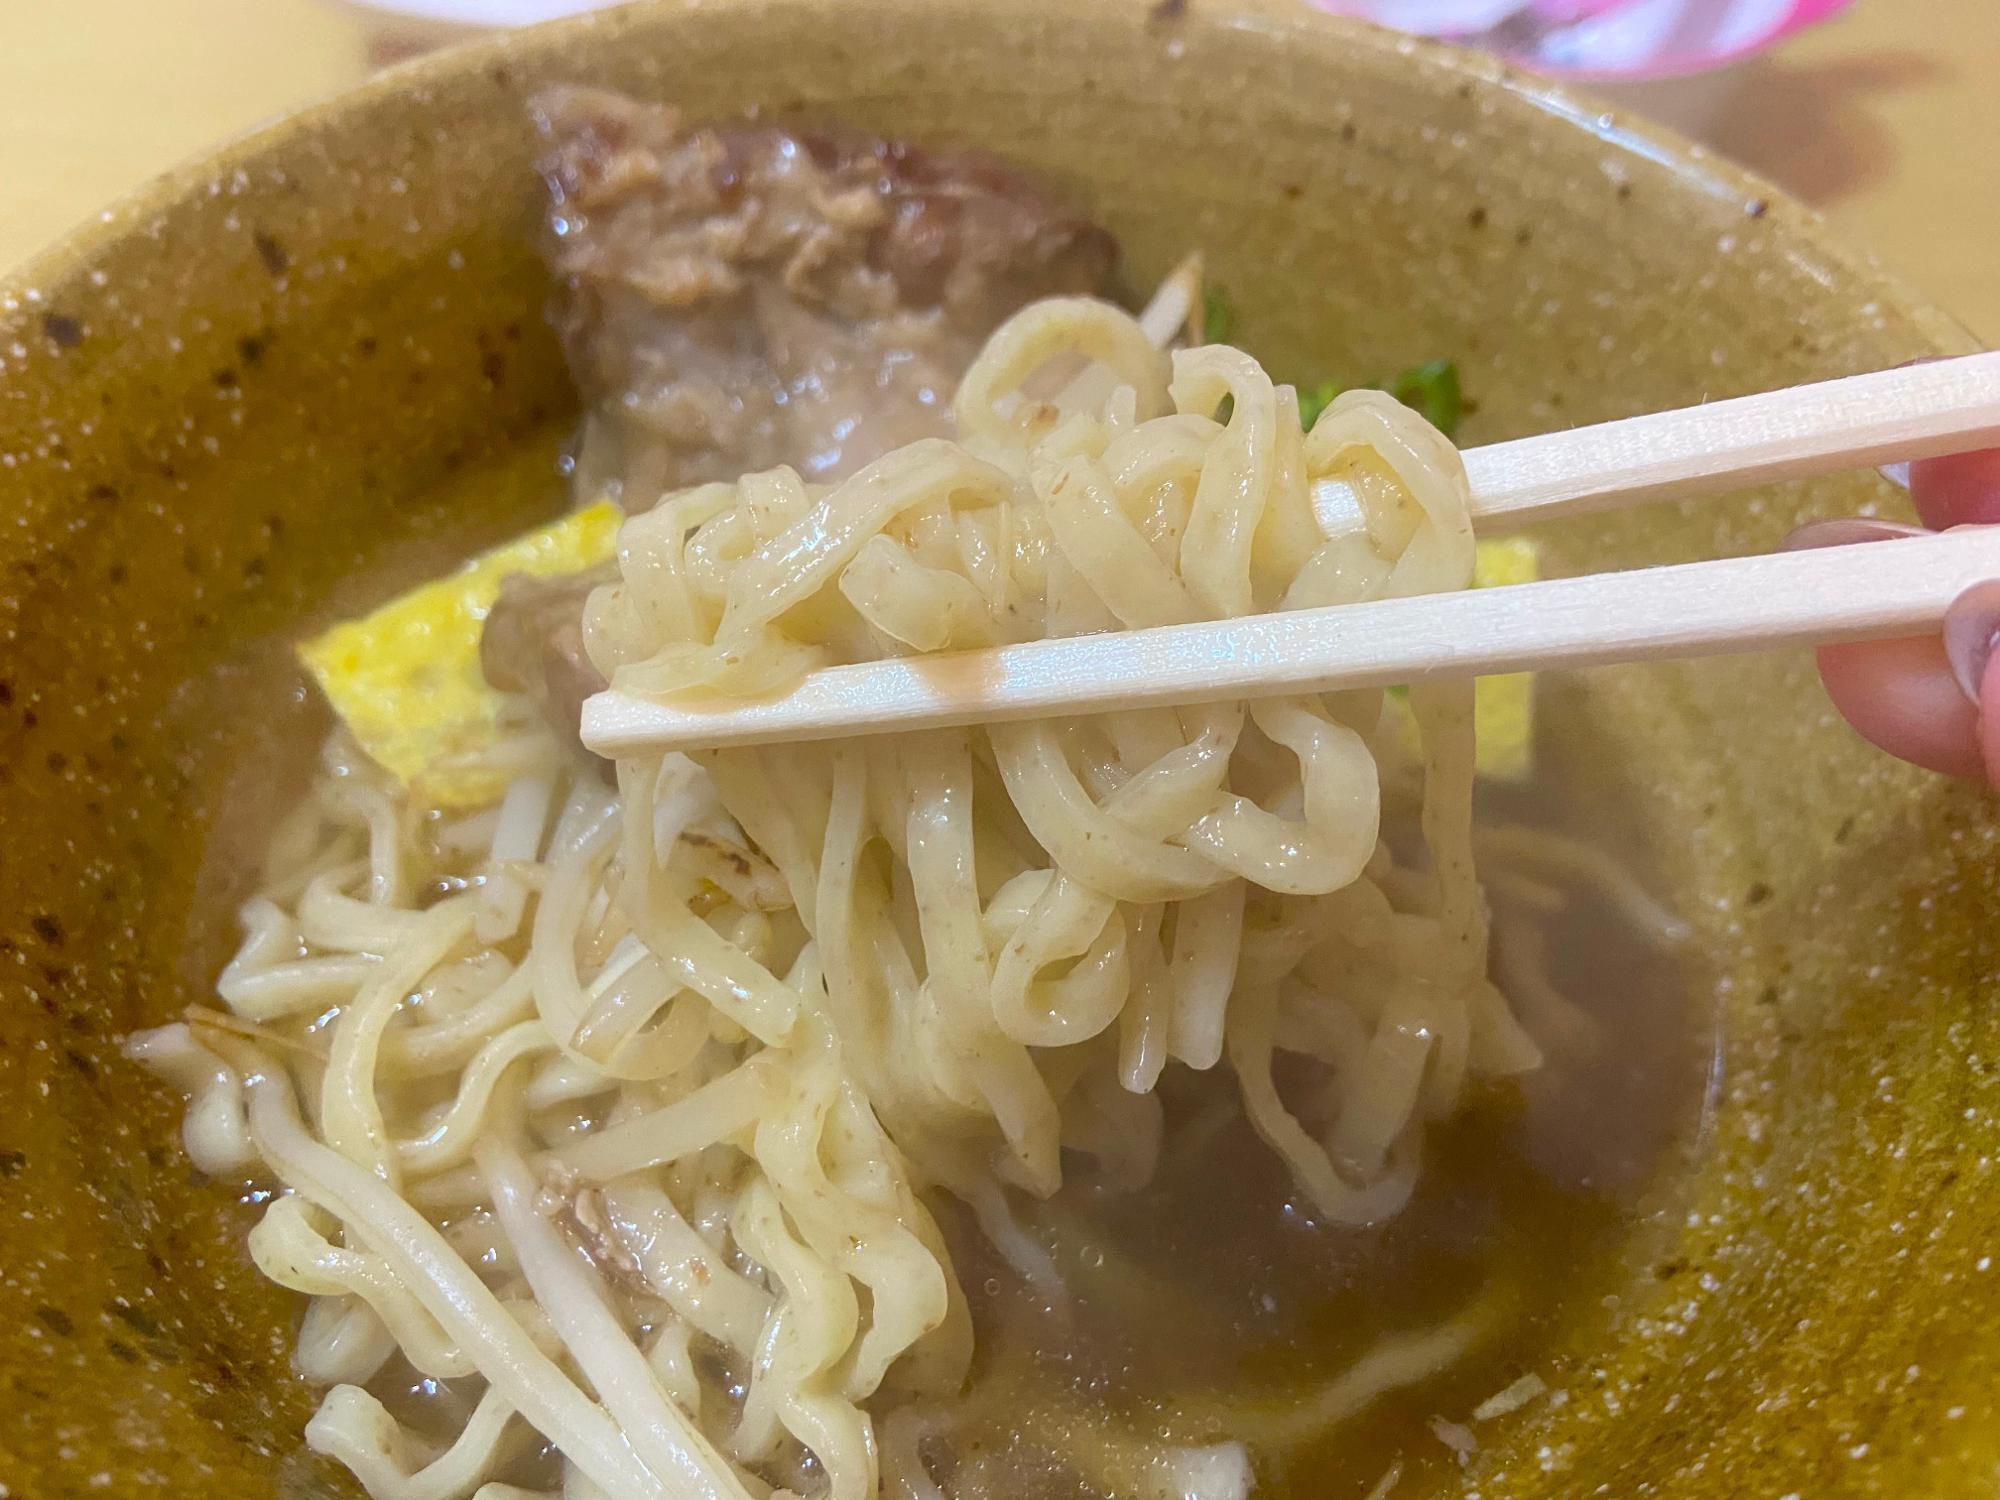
(49, 276)
(40, 278)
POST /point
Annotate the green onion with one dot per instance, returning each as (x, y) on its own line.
(1314, 401)
(1431, 390)
(1218, 315)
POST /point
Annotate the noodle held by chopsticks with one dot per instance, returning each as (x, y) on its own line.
(622, 1105)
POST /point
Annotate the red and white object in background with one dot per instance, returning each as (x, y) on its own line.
(1606, 39)
(1611, 41)
(483, 12)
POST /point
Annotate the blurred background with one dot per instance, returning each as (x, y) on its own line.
(1881, 113)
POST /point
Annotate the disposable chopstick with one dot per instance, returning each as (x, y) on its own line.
(1919, 411)
(1690, 609)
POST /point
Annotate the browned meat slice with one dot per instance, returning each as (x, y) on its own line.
(738, 298)
(533, 643)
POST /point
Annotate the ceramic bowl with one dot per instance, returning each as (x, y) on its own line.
(284, 381)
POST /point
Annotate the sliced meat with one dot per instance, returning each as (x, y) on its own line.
(732, 299)
(533, 643)
(738, 298)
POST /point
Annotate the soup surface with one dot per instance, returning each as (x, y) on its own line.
(1209, 1304)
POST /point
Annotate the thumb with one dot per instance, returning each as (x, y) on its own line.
(1989, 720)
(1971, 636)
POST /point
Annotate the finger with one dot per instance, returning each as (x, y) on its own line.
(1963, 490)
(1989, 719)
(1972, 646)
(1915, 698)
(1846, 531)
(1904, 697)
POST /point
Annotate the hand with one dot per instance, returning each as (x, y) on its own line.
(1933, 700)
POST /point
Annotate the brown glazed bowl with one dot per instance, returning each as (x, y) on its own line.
(287, 380)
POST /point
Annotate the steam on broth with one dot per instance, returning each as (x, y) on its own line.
(1155, 1106)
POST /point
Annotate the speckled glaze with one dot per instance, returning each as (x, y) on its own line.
(281, 382)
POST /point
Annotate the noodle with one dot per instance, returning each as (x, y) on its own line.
(723, 1028)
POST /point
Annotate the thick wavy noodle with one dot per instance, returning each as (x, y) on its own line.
(726, 1026)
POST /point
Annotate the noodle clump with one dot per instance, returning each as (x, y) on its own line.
(721, 1029)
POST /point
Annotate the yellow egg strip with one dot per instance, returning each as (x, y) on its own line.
(1504, 707)
(407, 683)
(406, 679)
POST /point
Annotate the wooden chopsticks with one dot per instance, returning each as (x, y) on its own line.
(1691, 609)
(1920, 411)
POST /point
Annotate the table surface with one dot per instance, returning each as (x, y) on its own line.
(1884, 119)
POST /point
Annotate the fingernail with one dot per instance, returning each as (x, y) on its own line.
(1846, 530)
(1971, 631)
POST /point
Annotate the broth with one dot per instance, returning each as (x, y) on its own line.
(1207, 1306)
